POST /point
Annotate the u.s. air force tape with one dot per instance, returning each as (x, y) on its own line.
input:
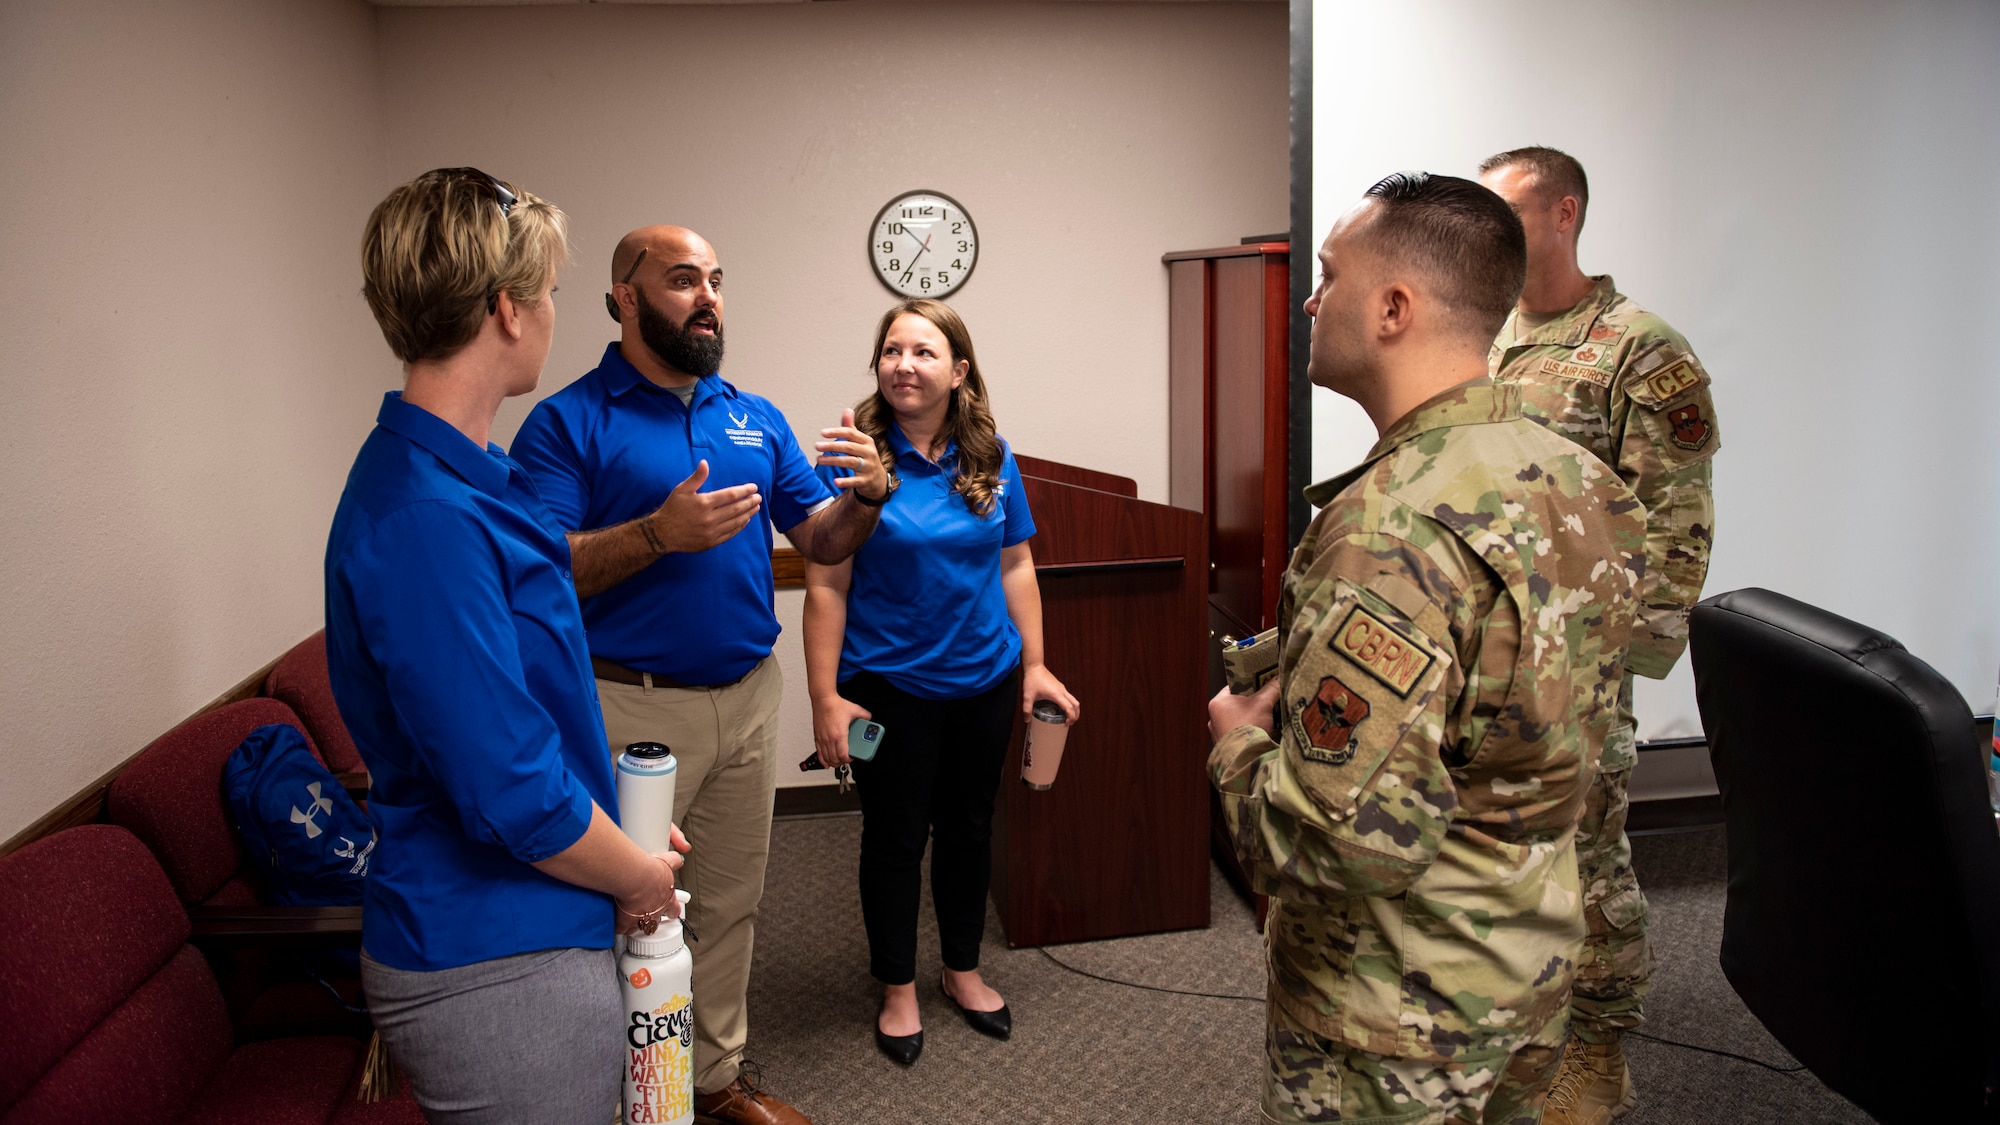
(1382, 650)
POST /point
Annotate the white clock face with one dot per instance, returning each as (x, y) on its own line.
(923, 244)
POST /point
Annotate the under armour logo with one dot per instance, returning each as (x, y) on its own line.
(740, 422)
(319, 805)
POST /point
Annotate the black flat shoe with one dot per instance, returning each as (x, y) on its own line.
(998, 1023)
(902, 1048)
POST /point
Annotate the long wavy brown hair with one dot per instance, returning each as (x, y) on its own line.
(967, 419)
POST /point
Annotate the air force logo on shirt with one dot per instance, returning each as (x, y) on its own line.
(740, 434)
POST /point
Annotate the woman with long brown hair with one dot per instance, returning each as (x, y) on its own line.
(934, 630)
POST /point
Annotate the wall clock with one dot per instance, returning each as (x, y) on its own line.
(923, 244)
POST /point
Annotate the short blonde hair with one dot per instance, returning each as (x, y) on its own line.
(440, 248)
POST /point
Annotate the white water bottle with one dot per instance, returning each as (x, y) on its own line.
(646, 794)
(657, 977)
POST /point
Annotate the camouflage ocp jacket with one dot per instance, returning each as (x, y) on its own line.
(1617, 380)
(1453, 628)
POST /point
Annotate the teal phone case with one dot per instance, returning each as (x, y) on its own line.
(864, 737)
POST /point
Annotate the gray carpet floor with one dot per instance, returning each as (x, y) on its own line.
(1089, 1051)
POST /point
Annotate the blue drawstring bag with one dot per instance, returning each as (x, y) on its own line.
(310, 839)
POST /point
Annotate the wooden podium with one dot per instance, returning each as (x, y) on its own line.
(1120, 844)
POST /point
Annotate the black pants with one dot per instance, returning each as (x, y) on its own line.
(935, 775)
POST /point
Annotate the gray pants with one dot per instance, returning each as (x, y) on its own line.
(524, 1040)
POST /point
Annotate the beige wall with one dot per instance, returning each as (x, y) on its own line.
(1085, 139)
(186, 367)
(182, 355)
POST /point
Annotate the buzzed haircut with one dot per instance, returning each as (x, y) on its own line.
(1557, 174)
(1465, 238)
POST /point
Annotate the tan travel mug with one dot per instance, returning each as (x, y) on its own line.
(1041, 751)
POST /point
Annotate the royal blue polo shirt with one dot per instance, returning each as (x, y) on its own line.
(608, 448)
(458, 660)
(925, 609)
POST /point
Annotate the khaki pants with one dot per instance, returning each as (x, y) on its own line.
(725, 744)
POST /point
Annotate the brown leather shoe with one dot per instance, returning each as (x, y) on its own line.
(742, 1103)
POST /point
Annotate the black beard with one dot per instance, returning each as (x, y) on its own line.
(699, 356)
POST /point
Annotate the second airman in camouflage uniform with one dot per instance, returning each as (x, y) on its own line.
(1618, 381)
(1450, 631)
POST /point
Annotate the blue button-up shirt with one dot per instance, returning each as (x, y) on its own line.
(458, 659)
(925, 609)
(608, 448)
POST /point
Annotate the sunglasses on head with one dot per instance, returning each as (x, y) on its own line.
(501, 195)
(505, 198)
(610, 302)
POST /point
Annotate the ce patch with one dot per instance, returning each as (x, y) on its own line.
(1671, 380)
(1382, 650)
(1326, 724)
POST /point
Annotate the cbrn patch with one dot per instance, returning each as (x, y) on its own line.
(1382, 650)
(1327, 722)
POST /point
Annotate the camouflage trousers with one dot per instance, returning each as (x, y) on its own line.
(1615, 969)
(1310, 1078)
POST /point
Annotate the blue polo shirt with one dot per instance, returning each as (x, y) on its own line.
(608, 448)
(925, 609)
(458, 660)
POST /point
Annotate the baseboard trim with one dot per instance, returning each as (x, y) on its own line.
(1674, 814)
(814, 800)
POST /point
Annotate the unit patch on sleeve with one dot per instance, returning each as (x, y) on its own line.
(1671, 380)
(1690, 428)
(1326, 723)
(1382, 650)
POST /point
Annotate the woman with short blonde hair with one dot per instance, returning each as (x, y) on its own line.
(458, 659)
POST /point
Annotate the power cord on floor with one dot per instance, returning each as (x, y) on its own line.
(1713, 1051)
(1148, 987)
(1259, 1000)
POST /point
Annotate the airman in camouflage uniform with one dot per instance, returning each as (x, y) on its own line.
(1618, 381)
(1450, 629)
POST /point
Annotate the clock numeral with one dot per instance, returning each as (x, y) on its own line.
(964, 246)
(888, 247)
(924, 283)
(958, 228)
(944, 278)
(908, 274)
(958, 263)
(897, 228)
(895, 264)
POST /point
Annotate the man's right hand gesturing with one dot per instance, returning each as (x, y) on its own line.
(690, 520)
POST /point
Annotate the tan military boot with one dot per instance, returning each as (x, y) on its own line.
(1592, 1087)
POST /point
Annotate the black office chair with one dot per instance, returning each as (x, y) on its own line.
(1863, 918)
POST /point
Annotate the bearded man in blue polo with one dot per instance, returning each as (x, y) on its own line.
(670, 481)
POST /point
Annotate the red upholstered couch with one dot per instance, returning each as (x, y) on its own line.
(299, 680)
(170, 797)
(109, 1016)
